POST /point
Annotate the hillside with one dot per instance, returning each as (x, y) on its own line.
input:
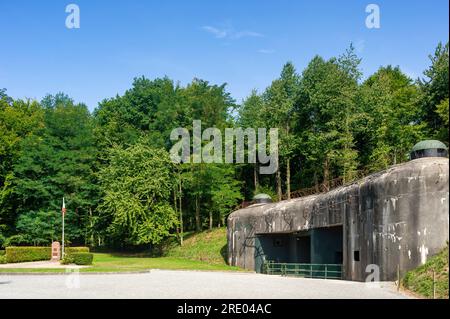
(420, 280)
(207, 246)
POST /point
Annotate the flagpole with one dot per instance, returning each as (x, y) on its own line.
(63, 214)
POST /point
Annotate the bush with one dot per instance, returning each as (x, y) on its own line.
(83, 258)
(2, 259)
(72, 250)
(2, 253)
(16, 240)
(69, 254)
(67, 260)
(24, 254)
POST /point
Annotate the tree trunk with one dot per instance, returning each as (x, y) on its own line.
(326, 175)
(197, 214)
(255, 176)
(279, 191)
(91, 223)
(210, 219)
(181, 215)
(288, 178)
(175, 204)
(316, 183)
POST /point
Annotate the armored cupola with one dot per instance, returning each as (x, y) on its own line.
(262, 199)
(429, 148)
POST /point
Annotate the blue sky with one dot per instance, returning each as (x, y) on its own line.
(242, 43)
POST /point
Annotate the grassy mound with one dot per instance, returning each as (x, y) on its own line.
(420, 280)
(207, 246)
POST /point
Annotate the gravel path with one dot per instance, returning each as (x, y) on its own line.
(186, 285)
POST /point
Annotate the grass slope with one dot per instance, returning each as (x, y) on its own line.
(208, 246)
(420, 280)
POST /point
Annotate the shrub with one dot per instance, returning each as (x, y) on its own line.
(83, 258)
(24, 254)
(2, 253)
(16, 240)
(67, 260)
(72, 250)
(2, 259)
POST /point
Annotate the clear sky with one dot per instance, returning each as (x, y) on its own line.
(243, 43)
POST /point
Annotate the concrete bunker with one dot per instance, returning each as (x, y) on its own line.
(394, 218)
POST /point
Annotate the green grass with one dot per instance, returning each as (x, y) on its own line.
(203, 251)
(31, 270)
(420, 280)
(208, 246)
(104, 262)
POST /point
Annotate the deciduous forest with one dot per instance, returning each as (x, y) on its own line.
(113, 168)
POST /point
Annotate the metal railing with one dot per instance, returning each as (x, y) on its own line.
(323, 271)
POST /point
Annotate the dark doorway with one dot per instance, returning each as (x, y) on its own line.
(327, 245)
(303, 250)
(282, 248)
(315, 246)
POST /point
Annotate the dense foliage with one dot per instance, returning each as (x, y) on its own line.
(83, 258)
(25, 254)
(121, 188)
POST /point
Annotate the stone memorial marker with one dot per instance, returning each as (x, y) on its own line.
(56, 251)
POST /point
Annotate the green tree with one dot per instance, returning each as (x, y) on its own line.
(390, 101)
(56, 162)
(18, 120)
(442, 110)
(41, 228)
(326, 111)
(279, 101)
(136, 187)
(250, 116)
(150, 107)
(435, 90)
(211, 104)
(225, 192)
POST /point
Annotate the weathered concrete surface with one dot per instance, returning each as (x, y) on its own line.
(398, 217)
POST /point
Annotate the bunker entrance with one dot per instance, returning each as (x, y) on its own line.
(320, 246)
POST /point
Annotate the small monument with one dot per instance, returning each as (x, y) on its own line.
(56, 251)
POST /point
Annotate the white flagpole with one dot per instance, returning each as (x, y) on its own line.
(63, 214)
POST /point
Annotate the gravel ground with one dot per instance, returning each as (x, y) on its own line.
(186, 285)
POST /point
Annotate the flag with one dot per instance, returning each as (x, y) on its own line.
(63, 209)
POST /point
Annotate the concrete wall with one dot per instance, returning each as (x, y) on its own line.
(395, 217)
